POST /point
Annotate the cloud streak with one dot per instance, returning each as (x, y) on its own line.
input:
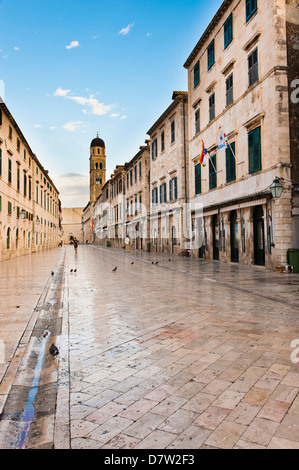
(126, 30)
(72, 45)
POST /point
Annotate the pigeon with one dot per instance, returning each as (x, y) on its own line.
(52, 273)
(169, 259)
(156, 262)
(132, 262)
(152, 262)
(75, 270)
(53, 350)
(114, 269)
(71, 271)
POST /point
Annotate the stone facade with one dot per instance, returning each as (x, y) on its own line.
(168, 177)
(238, 81)
(30, 209)
(72, 224)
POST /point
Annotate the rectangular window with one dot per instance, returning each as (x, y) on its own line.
(9, 208)
(25, 185)
(197, 121)
(140, 203)
(211, 54)
(162, 141)
(170, 190)
(253, 69)
(172, 131)
(212, 107)
(10, 132)
(164, 192)
(254, 150)
(198, 178)
(230, 162)
(228, 31)
(229, 90)
(131, 207)
(175, 183)
(127, 180)
(136, 207)
(140, 169)
(154, 149)
(160, 191)
(196, 74)
(9, 171)
(25, 156)
(18, 144)
(251, 7)
(131, 177)
(18, 178)
(156, 195)
(212, 172)
(135, 174)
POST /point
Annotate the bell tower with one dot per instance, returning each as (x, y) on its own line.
(97, 168)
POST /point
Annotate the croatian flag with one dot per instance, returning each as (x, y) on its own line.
(222, 140)
(202, 159)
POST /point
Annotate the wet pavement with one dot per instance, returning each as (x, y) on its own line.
(164, 352)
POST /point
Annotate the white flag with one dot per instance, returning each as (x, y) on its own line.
(222, 139)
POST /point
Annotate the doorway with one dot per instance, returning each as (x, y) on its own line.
(215, 237)
(259, 236)
(234, 238)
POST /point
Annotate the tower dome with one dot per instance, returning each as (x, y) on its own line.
(97, 142)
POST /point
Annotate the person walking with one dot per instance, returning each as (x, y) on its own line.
(127, 243)
(76, 244)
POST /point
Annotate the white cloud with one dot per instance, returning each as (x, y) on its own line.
(16, 48)
(148, 34)
(72, 45)
(61, 92)
(96, 107)
(126, 30)
(73, 188)
(52, 128)
(37, 126)
(124, 117)
(114, 115)
(73, 126)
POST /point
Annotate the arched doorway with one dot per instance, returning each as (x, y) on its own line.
(215, 227)
(234, 238)
(259, 236)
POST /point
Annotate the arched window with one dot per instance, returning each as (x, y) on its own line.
(97, 166)
(98, 151)
(101, 166)
(8, 238)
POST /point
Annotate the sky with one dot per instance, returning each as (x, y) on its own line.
(72, 68)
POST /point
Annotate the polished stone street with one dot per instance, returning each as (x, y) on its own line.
(161, 353)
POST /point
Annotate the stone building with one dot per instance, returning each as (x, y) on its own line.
(30, 209)
(97, 172)
(169, 177)
(123, 207)
(72, 224)
(239, 77)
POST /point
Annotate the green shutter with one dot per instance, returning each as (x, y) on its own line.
(230, 163)
(198, 178)
(254, 150)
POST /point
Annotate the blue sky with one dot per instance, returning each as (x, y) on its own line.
(71, 68)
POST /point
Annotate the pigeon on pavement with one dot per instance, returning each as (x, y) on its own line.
(114, 269)
(53, 350)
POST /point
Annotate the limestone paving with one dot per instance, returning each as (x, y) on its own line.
(182, 354)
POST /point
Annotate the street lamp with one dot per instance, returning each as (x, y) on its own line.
(22, 214)
(276, 188)
(37, 220)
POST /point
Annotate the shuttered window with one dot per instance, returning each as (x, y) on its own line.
(198, 178)
(254, 150)
(212, 172)
(230, 163)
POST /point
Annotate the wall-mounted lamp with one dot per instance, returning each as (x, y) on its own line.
(276, 187)
(37, 220)
(22, 214)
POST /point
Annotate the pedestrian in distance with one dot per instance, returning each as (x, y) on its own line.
(127, 243)
(76, 244)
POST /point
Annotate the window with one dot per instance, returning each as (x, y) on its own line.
(10, 132)
(18, 144)
(170, 190)
(154, 149)
(229, 90)
(211, 55)
(198, 178)
(251, 7)
(18, 178)
(135, 173)
(156, 195)
(140, 203)
(164, 192)
(140, 169)
(175, 181)
(160, 193)
(172, 131)
(253, 70)
(254, 150)
(162, 141)
(212, 106)
(196, 74)
(131, 207)
(25, 185)
(197, 121)
(131, 177)
(25, 155)
(9, 171)
(212, 172)
(230, 163)
(127, 180)
(9, 208)
(136, 207)
(228, 31)
(36, 198)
